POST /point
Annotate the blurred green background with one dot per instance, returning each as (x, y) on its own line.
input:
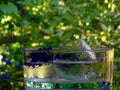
(52, 23)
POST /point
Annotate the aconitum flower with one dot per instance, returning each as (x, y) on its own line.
(7, 62)
(18, 66)
(3, 59)
(5, 76)
(21, 6)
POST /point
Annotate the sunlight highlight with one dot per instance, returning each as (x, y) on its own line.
(34, 44)
(76, 36)
(103, 38)
(6, 19)
(46, 37)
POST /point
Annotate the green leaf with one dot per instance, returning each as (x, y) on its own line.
(60, 33)
(103, 26)
(117, 60)
(39, 1)
(86, 20)
(81, 11)
(9, 8)
(53, 23)
(68, 35)
(117, 42)
(13, 8)
(48, 31)
(3, 8)
(28, 2)
(25, 23)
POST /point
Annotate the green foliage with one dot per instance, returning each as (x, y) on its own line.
(29, 23)
(10, 8)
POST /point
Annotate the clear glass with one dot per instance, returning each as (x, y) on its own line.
(68, 69)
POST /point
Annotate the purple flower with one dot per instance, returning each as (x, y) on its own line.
(5, 76)
(18, 66)
(3, 59)
(21, 6)
(8, 62)
(14, 37)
